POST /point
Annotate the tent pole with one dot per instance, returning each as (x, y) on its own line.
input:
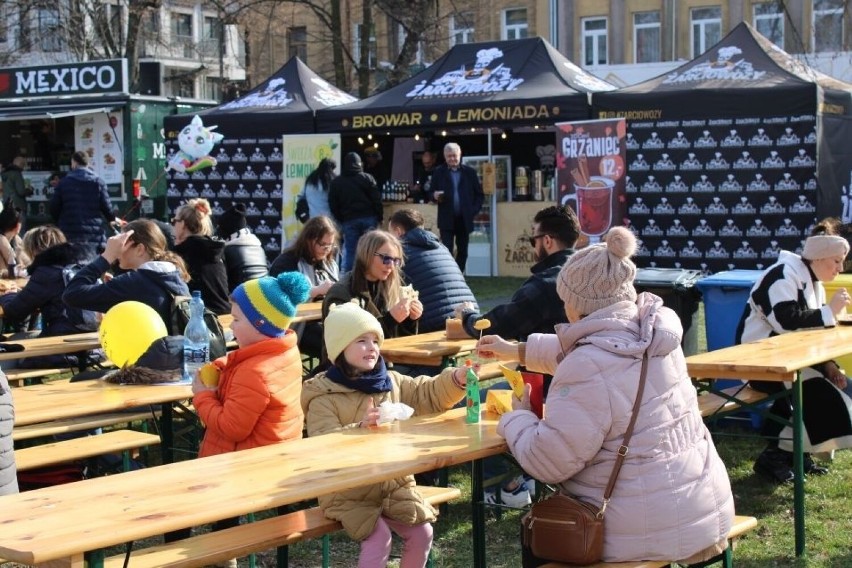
(493, 220)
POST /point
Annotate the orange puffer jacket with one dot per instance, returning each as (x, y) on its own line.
(257, 402)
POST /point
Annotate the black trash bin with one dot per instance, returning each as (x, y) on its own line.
(676, 286)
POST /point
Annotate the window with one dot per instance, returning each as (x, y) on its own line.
(212, 90)
(182, 26)
(514, 24)
(461, 28)
(211, 37)
(113, 19)
(828, 25)
(297, 43)
(181, 84)
(182, 36)
(705, 29)
(356, 49)
(49, 30)
(769, 21)
(647, 46)
(594, 41)
(151, 23)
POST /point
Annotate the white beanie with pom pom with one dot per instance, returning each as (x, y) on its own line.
(599, 275)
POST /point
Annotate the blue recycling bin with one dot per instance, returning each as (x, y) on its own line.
(725, 295)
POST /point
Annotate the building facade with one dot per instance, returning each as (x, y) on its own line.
(184, 49)
(626, 41)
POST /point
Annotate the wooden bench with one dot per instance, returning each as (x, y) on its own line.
(711, 404)
(82, 448)
(78, 424)
(741, 526)
(19, 377)
(220, 546)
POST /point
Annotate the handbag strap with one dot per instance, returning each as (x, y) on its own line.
(623, 449)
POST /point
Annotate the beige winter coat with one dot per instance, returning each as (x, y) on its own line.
(330, 407)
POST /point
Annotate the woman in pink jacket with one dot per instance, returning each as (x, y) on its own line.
(672, 499)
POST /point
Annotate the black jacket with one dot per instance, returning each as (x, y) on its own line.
(433, 272)
(79, 206)
(245, 260)
(470, 194)
(205, 262)
(354, 194)
(534, 308)
(153, 286)
(45, 288)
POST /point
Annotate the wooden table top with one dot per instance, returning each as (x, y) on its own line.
(62, 344)
(425, 348)
(65, 520)
(63, 399)
(773, 358)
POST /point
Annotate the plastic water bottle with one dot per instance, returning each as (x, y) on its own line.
(196, 339)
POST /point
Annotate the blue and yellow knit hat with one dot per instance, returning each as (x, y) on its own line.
(270, 303)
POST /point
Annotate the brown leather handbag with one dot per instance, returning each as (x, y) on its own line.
(564, 529)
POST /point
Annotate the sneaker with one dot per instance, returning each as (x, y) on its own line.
(518, 498)
(774, 464)
(530, 483)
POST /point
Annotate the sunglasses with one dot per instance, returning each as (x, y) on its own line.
(534, 238)
(325, 246)
(387, 259)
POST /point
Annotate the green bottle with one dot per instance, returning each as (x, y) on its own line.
(472, 394)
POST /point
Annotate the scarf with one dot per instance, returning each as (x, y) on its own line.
(371, 382)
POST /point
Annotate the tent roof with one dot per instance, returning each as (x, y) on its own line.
(283, 103)
(742, 60)
(502, 83)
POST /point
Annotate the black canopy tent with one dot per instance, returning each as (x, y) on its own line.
(733, 155)
(283, 104)
(503, 84)
(249, 160)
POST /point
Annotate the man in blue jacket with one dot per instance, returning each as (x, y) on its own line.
(430, 269)
(458, 193)
(80, 204)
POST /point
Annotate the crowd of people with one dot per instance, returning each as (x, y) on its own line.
(577, 320)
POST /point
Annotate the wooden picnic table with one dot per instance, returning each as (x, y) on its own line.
(59, 400)
(431, 349)
(780, 358)
(63, 344)
(63, 522)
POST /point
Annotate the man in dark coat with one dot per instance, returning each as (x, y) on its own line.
(355, 203)
(80, 204)
(431, 269)
(458, 193)
(535, 307)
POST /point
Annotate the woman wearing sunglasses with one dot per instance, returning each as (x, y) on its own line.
(314, 254)
(375, 283)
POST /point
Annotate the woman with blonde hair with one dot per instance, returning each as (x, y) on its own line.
(375, 283)
(154, 275)
(203, 254)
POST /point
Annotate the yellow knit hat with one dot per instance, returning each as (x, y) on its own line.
(346, 322)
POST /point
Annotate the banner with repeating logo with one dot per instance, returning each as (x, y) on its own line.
(302, 154)
(590, 159)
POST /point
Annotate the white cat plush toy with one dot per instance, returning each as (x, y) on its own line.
(195, 142)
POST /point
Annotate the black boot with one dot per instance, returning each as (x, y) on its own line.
(810, 467)
(775, 464)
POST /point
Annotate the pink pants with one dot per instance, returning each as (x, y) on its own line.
(376, 548)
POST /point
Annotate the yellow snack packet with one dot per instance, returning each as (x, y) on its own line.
(498, 401)
(516, 380)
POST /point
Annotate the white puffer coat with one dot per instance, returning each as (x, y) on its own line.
(8, 473)
(673, 497)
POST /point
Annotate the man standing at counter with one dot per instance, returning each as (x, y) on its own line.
(458, 193)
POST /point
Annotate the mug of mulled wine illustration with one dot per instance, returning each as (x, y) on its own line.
(592, 199)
